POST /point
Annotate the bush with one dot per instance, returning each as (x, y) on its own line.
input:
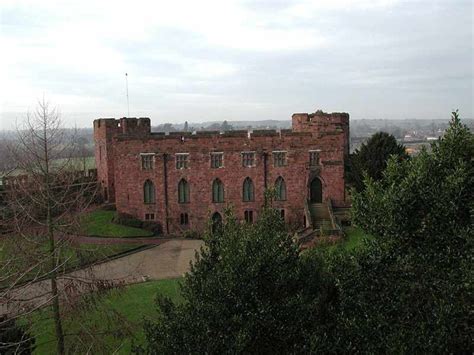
(191, 234)
(109, 207)
(14, 339)
(153, 227)
(127, 220)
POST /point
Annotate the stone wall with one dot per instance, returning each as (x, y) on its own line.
(121, 172)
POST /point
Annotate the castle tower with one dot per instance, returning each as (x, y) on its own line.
(105, 130)
(322, 124)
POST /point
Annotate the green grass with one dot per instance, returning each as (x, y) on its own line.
(123, 309)
(354, 238)
(99, 223)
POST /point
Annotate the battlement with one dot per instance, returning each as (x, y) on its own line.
(111, 127)
(314, 122)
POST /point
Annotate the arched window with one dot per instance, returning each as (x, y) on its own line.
(183, 191)
(248, 191)
(148, 192)
(217, 191)
(280, 188)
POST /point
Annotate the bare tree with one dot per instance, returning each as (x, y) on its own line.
(44, 200)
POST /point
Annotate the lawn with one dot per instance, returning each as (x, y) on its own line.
(354, 238)
(119, 319)
(99, 223)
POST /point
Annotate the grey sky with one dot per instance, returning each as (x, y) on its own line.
(237, 60)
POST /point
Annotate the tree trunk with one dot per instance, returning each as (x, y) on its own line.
(54, 288)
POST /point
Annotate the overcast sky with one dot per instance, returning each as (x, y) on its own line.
(236, 60)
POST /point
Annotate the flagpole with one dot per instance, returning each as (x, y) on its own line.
(126, 84)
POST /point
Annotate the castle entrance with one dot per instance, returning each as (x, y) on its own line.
(316, 191)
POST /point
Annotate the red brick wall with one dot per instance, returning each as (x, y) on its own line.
(328, 134)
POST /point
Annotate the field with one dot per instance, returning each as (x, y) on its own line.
(125, 310)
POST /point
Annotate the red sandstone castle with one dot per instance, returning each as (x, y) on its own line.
(181, 179)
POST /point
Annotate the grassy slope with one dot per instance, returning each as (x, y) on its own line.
(133, 303)
(99, 223)
(73, 256)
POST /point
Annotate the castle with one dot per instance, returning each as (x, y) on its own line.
(181, 179)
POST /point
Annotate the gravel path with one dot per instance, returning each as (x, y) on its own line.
(82, 239)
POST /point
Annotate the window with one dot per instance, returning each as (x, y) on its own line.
(282, 214)
(248, 159)
(147, 161)
(183, 191)
(217, 160)
(280, 188)
(279, 159)
(184, 219)
(248, 191)
(313, 158)
(182, 160)
(149, 216)
(217, 191)
(148, 192)
(248, 215)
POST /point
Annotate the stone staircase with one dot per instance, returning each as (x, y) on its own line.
(322, 224)
(320, 216)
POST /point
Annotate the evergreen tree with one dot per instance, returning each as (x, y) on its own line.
(248, 292)
(409, 290)
(372, 157)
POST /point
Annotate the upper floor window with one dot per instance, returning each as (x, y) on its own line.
(313, 158)
(182, 160)
(280, 187)
(148, 192)
(279, 158)
(217, 160)
(248, 159)
(217, 191)
(183, 191)
(248, 190)
(147, 161)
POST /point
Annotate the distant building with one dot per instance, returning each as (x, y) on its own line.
(181, 179)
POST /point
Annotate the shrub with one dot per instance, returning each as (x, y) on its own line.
(191, 234)
(127, 220)
(14, 339)
(153, 227)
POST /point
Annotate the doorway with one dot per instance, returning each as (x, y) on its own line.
(316, 191)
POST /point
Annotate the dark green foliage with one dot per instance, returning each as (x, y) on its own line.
(14, 339)
(153, 227)
(371, 158)
(127, 220)
(423, 200)
(409, 290)
(248, 292)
